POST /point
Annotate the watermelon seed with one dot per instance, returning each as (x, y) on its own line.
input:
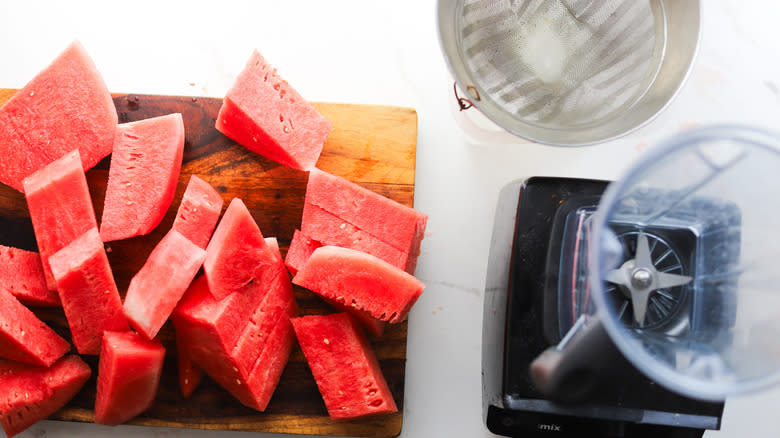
(186, 381)
(281, 118)
(277, 86)
(341, 392)
(129, 202)
(22, 332)
(326, 341)
(286, 130)
(32, 93)
(342, 226)
(372, 391)
(238, 381)
(376, 403)
(235, 369)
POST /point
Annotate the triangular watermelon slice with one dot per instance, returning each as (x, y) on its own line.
(60, 207)
(264, 113)
(301, 248)
(344, 366)
(142, 179)
(198, 212)
(244, 352)
(387, 220)
(128, 376)
(360, 280)
(66, 106)
(24, 337)
(88, 292)
(236, 255)
(29, 394)
(161, 282)
(21, 274)
(328, 229)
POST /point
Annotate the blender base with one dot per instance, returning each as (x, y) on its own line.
(516, 329)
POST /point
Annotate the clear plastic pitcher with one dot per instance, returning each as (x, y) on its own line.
(683, 261)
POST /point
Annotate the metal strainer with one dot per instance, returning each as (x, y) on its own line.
(569, 72)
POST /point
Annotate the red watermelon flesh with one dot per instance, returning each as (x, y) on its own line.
(278, 301)
(200, 316)
(236, 255)
(66, 105)
(330, 230)
(161, 282)
(128, 376)
(372, 325)
(88, 292)
(269, 366)
(60, 207)
(145, 167)
(207, 340)
(198, 212)
(265, 114)
(29, 394)
(389, 221)
(360, 280)
(232, 355)
(24, 337)
(190, 375)
(301, 247)
(344, 366)
(22, 275)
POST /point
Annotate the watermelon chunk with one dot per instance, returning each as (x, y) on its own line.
(236, 255)
(24, 337)
(190, 375)
(244, 352)
(362, 281)
(387, 220)
(60, 207)
(198, 212)
(22, 275)
(200, 316)
(128, 376)
(88, 292)
(67, 105)
(372, 325)
(331, 230)
(301, 247)
(264, 113)
(142, 179)
(29, 394)
(344, 366)
(161, 282)
(278, 301)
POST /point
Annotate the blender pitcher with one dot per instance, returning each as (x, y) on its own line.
(676, 270)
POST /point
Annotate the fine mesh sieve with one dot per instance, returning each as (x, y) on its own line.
(569, 71)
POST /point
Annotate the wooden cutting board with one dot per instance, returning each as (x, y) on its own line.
(374, 146)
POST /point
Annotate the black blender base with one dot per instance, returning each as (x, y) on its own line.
(516, 329)
(522, 424)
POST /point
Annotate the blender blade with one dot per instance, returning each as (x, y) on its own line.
(638, 278)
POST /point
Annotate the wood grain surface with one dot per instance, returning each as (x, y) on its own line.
(374, 146)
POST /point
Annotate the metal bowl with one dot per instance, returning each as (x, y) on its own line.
(676, 40)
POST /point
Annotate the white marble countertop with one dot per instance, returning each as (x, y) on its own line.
(388, 53)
